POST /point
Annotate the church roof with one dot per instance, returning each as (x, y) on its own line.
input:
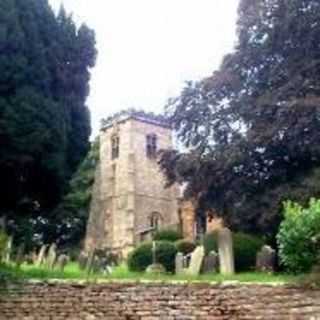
(148, 117)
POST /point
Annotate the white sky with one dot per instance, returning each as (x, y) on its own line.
(147, 49)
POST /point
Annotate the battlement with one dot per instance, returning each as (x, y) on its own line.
(147, 117)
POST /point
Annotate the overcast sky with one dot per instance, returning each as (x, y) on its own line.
(147, 49)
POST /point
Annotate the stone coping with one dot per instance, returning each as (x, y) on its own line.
(233, 283)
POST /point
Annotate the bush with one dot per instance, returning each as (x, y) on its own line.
(141, 257)
(210, 242)
(297, 248)
(167, 235)
(185, 246)
(245, 248)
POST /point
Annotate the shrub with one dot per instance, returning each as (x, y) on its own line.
(210, 242)
(245, 248)
(167, 235)
(185, 246)
(297, 248)
(165, 254)
(141, 257)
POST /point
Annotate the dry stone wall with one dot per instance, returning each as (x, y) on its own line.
(134, 301)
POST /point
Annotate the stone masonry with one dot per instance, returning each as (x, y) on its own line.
(129, 195)
(156, 301)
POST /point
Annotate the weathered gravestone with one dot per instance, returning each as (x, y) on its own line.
(41, 255)
(210, 263)
(179, 263)
(62, 261)
(82, 260)
(20, 255)
(52, 256)
(8, 250)
(156, 268)
(266, 259)
(196, 261)
(226, 257)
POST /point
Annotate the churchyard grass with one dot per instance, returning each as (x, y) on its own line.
(121, 273)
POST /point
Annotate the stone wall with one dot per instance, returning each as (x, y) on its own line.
(158, 301)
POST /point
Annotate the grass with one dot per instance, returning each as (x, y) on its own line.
(121, 273)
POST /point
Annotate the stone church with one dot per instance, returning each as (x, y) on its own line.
(129, 199)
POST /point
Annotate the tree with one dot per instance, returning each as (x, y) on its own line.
(68, 221)
(251, 129)
(44, 122)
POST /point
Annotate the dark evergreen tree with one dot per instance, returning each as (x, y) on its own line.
(44, 122)
(252, 128)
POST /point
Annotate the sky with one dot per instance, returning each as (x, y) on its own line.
(147, 49)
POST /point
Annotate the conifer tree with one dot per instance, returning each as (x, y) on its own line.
(45, 63)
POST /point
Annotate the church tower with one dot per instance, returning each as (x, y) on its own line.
(129, 199)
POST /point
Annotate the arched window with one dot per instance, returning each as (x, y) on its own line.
(155, 221)
(115, 141)
(151, 146)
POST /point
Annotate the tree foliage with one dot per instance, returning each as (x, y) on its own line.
(298, 236)
(252, 128)
(66, 223)
(44, 122)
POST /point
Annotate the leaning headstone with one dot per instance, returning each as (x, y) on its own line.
(52, 256)
(179, 263)
(266, 259)
(62, 261)
(82, 260)
(210, 263)
(226, 257)
(41, 255)
(20, 255)
(196, 261)
(8, 250)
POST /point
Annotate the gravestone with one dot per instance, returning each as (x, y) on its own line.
(20, 255)
(62, 261)
(226, 257)
(82, 260)
(41, 255)
(8, 250)
(196, 261)
(179, 268)
(210, 263)
(266, 259)
(156, 268)
(51, 257)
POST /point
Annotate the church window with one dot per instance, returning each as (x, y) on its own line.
(115, 140)
(151, 147)
(155, 221)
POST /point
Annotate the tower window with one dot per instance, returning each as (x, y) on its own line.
(151, 146)
(115, 140)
